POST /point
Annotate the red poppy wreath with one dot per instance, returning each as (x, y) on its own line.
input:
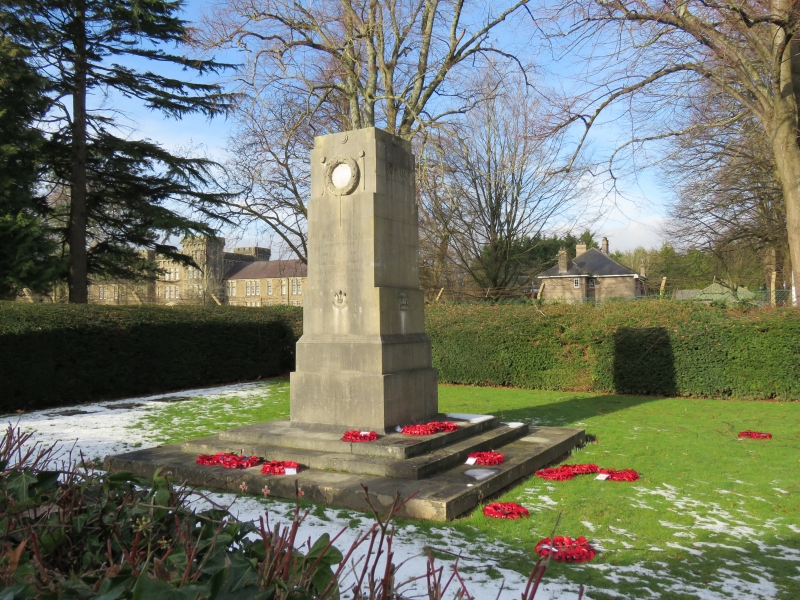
(488, 458)
(359, 436)
(755, 435)
(226, 460)
(278, 467)
(564, 549)
(429, 428)
(505, 510)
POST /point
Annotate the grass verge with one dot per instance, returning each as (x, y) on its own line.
(713, 516)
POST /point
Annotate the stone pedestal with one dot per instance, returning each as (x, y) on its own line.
(364, 361)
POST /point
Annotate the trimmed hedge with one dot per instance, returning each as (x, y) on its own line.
(65, 354)
(647, 347)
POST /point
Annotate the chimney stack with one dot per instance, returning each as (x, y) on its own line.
(642, 269)
(562, 262)
(605, 245)
(580, 249)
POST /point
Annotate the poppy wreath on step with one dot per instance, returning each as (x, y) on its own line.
(278, 467)
(505, 510)
(564, 549)
(488, 458)
(620, 475)
(429, 428)
(226, 460)
(359, 436)
(755, 435)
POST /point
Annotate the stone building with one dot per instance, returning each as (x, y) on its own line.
(591, 276)
(266, 283)
(244, 277)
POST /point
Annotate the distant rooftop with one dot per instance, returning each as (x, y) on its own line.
(267, 269)
(592, 263)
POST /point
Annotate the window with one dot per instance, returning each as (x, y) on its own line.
(299, 287)
(269, 288)
(294, 288)
(258, 287)
(591, 283)
(283, 287)
(269, 303)
(116, 292)
(246, 288)
(231, 289)
(101, 292)
(576, 283)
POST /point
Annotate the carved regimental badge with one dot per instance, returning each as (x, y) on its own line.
(339, 299)
(402, 301)
(342, 176)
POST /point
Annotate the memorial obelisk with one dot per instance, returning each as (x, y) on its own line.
(364, 361)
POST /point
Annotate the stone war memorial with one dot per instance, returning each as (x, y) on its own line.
(364, 365)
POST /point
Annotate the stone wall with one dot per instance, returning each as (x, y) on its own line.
(614, 287)
(563, 288)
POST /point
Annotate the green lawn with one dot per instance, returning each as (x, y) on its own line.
(711, 512)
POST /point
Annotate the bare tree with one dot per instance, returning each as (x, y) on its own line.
(268, 168)
(729, 200)
(313, 68)
(389, 63)
(671, 49)
(492, 186)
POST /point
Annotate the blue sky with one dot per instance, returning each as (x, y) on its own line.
(634, 219)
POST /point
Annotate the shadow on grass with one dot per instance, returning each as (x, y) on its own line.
(557, 414)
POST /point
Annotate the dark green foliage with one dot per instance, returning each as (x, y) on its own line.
(647, 347)
(27, 247)
(55, 354)
(27, 255)
(84, 534)
(65, 354)
(110, 193)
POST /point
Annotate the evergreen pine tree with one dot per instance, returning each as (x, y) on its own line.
(27, 246)
(116, 193)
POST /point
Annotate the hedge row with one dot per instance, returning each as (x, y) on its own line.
(59, 354)
(648, 347)
(65, 354)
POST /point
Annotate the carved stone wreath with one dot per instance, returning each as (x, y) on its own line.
(342, 176)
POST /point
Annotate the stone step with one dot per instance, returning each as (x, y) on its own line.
(444, 496)
(391, 445)
(418, 467)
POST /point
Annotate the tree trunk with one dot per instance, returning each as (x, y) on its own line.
(787, 159)
(78, 267)
(784, 136)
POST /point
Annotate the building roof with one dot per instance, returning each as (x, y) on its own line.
(267, 269)
(591, 263)
(721, 292)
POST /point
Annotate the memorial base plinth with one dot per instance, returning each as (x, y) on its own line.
(432, 468)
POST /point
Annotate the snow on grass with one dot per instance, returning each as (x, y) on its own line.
(104, 428)
(483, 574)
